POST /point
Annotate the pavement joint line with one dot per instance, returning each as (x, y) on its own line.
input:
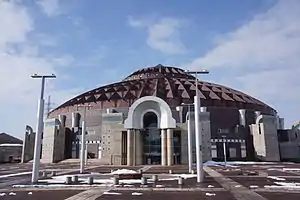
(114, 188)
(241, 193)
(171, 189)
(275, 190)
(91, 194)
(146, 168)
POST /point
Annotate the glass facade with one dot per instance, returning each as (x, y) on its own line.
(152, 141)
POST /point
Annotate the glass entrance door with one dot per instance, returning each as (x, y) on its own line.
(152, 146)
(151, 140)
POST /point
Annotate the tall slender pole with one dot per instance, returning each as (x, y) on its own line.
(198, 136)
(82, 156)
(224, 151)
(39, 130)
(190, 153)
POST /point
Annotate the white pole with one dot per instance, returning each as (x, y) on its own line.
(224, 150)
(82, 156)
(198, 136)
(190, 153)
(38, 136)
(86, 155)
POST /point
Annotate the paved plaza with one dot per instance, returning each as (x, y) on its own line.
(239, 181)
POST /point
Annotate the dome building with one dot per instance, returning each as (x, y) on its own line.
(143, 119)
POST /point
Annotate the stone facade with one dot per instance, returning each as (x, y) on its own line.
(53, 144)
(28, 145)
(265, 138)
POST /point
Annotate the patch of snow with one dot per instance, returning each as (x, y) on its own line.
(159, 186)
(2, 194)
(136, 194)
(111, 193)
(52, 181)
(29, 193)
(210, 194)
(282, 187)
(288, 184)
(237, 186)
(185, 176)
(12, 194)
(210, 186)
(232, 163)
(123, 171)
(17, 174)
(253, 186)
(276, 178)
(291, 169)
(11, 145)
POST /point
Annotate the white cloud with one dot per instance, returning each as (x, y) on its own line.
(18, 60)
(269, 39)
(50, 7)
(22, 23)
(163, 35)
(262, 57)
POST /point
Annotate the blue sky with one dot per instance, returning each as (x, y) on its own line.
(250, 45)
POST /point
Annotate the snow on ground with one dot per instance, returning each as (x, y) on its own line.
(17, 174)
(210, 186)
(233, 163)
(136, 194)
(2, 194)
(184, 176)
(111, 193)
(253, 186)
(11, 145)
(291, 169)
(159, 186)
(210, 194)
(292, 184)
(276, 178)
(123, 171)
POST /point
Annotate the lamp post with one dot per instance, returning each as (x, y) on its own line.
(83, 155)
(224, 150)
(39, 129)
(188, 119)
(200, 174)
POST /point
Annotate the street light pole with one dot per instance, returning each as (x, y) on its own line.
(39, 129)
(83, 139)
(200, 174)
(190, 152)
(224, 150)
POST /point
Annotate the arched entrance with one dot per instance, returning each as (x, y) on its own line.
(150, 120)
(151, 139)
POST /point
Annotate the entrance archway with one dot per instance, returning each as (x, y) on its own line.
(151, 139)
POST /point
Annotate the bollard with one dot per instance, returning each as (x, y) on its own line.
(75, 179)
(90, 180)
(180, 181)
(155, 178)
(170, 171)
(53, 173)
(68, 180)
(115, 180)
(144, 181)
(44, 175)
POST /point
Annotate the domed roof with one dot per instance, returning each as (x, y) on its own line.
(172, 84)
